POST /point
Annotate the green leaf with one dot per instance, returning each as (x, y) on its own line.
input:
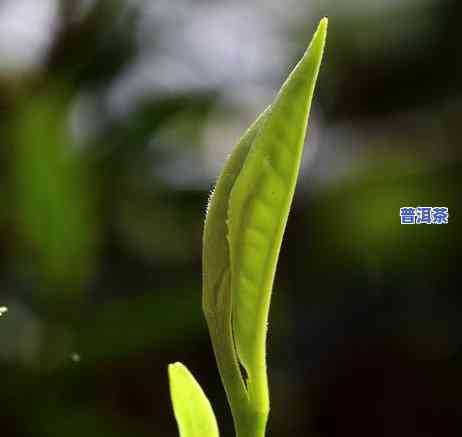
(243, 233)
(193, 412)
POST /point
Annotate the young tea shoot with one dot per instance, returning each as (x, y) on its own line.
(244, 228)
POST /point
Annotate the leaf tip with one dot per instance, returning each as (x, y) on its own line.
(175, 368)
(321, 31)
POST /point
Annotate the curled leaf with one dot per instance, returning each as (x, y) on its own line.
(244, 227)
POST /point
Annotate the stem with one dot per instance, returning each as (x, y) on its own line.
(250, 424)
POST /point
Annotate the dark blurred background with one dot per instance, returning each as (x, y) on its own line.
(115, 119)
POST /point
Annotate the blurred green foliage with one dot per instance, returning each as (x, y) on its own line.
(54, 193)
